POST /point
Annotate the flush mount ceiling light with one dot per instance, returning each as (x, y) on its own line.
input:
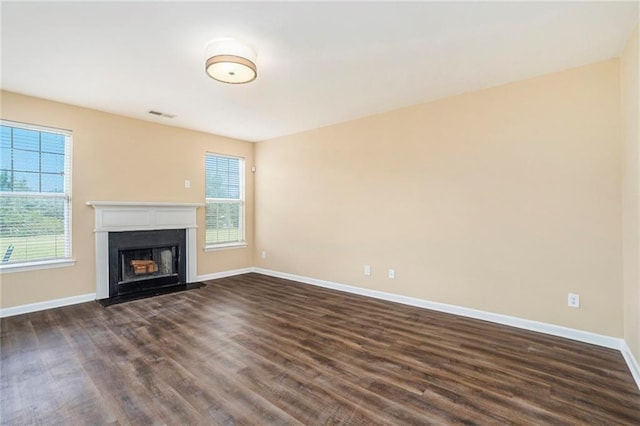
(230, 61)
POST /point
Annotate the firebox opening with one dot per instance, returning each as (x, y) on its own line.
(141, 264)
(142, 261)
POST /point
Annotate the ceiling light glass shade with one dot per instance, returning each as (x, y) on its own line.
(230, 61)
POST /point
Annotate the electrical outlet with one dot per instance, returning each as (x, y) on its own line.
(264, 254)
(573, 300)
(392, 273)
(367, 270)
(187, 184)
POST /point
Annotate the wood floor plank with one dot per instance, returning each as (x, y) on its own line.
(253, 349)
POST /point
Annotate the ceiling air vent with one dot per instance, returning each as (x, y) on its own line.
(161, 114)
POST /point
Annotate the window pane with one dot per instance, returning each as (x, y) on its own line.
(26, 139)
(5, 180)
(33, 227)
(213, 185)
(52, 183)
(223, 222)
(53, 163)
(223, 212)
(26, 182)
(233, 191)
(5, 158)
(26, 161)
(5, 137)
(53, 143)
(222, 177)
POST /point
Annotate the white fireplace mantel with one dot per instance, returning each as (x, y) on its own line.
(118, 216)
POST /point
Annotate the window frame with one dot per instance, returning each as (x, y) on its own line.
(65, 195)
(242, 242)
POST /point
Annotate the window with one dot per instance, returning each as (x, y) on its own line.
(224, 211)
(35, 194)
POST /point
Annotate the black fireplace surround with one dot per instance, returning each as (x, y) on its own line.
(141, 262)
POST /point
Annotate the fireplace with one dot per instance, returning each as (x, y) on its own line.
(143, 247)
(141, 261)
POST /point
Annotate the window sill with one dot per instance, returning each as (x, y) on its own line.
(226, 246)
(33, 266)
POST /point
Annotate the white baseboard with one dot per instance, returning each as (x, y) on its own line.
(632, 363)
(540, 327)
(224, 274)
(49, 304)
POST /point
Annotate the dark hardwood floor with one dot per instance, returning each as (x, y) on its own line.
(253, 350)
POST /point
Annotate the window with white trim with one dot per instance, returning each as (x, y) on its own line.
(224, 208)
(35, 194)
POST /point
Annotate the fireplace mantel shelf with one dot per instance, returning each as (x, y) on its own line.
(137, 216)
(141, 204)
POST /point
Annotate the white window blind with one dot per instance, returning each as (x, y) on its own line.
(35, 193)
(224, 208)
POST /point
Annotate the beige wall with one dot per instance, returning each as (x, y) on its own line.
(629, 72)
(502, 200)
(121, 159)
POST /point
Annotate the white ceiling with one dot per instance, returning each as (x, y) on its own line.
(318, 63)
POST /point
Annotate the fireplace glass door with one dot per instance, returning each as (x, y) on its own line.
(142, 261)
(141, 264)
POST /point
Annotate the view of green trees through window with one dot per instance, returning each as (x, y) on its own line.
(34, 227)
(34, 198)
